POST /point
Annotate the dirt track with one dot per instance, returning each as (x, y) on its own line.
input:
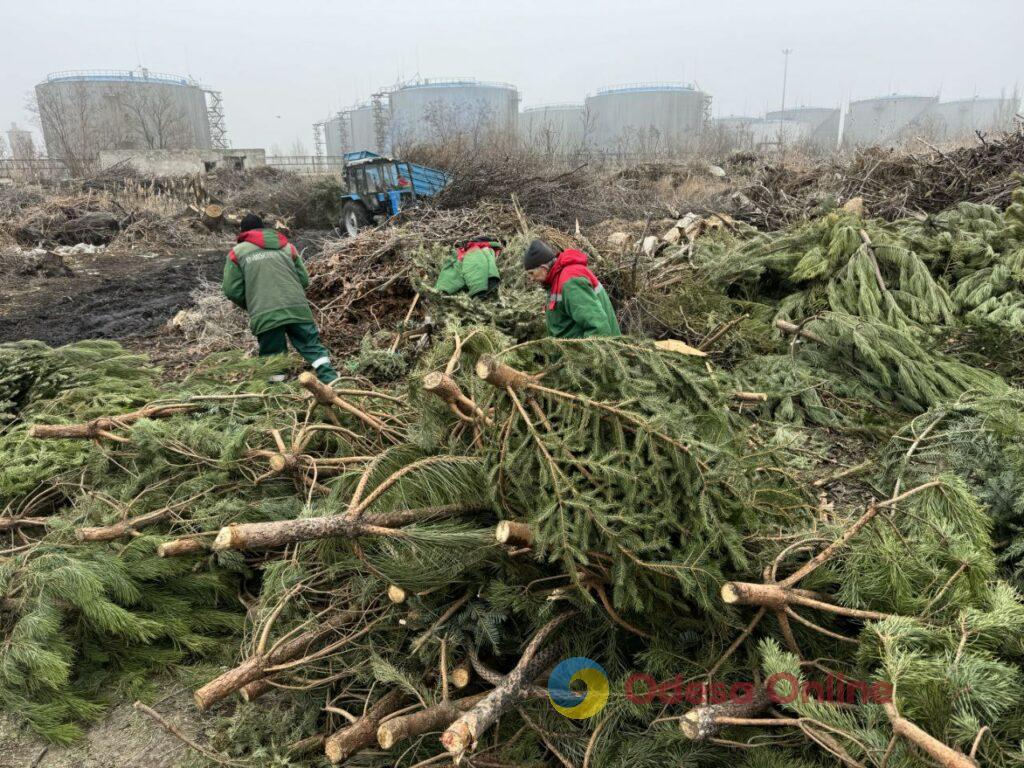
(108, 296)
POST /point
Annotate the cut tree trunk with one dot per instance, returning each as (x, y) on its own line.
(792, 328)
(326, 396)
(280, 532)
(344, 743)
(944, 755)
(12, 523)
(513, 534)
(703, 722)
(103, 427)
(445, 387)
(430, 719)
(181, 547)
(124, 528)
(500, 375)
(213, 217)
(779, 598)
(255, 668)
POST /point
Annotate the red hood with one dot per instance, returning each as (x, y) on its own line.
(567, 258)
(268, 239)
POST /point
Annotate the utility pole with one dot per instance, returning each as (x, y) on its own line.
(782, 111)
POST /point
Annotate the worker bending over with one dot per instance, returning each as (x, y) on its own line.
(264, 275)
(578, 305)
(472, 268)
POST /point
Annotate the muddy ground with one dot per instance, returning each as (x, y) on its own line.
(122, 739)
(105, 295)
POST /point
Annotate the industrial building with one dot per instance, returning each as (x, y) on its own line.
(820, 124)
(429, 110)
(20, 144)
(648, 117)
(886, 121)
(960, 119)
(731, 131)
(555, 128)
(84, 112)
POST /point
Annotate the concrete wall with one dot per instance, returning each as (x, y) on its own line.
(82, 114)
(182, 162)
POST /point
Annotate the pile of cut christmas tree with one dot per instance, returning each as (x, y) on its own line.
(779, 524)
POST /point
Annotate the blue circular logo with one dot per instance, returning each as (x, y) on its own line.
(578, 704)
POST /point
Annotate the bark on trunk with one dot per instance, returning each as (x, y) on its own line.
(254, 690)
(361, 734)
(281, 532)
(779, 597)
(446, 388)
(124, 528)
(500, 375)
(93, 430)
(791, 328)
(944, 755)
(430, 719)
(12, 523)
(181, 547)
(751, 397)
(327, 396)
(254, 668)
(463, 734)
(702, 722)
(274, 534)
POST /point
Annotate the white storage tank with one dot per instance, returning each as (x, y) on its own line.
(85, 112)
(362, 128)
(731, 131)
(766, 133)
(960, 119)
(431, 110)
(648, 117)
(822, 123)
(336, 135)
(554, 128)
(887, 120)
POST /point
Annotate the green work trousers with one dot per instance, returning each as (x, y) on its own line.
(305, 340)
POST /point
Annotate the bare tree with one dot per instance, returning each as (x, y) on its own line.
(298, 148)
(153, 117)
(72, 127)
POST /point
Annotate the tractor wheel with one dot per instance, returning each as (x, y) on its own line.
(354, 216)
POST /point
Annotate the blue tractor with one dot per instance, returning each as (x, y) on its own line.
(380, 187)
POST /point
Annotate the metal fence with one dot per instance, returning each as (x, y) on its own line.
(308, 165)
(33, 170)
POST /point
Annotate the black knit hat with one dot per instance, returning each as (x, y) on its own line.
(250, 221)
(537, 255)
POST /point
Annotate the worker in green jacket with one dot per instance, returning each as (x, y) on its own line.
(264, 275)
(578, 305)
(473, 268)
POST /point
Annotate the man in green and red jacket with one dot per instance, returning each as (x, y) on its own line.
(578, 306)
(264, 275)
(473, 268)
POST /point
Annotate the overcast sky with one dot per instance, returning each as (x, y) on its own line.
(284, 64)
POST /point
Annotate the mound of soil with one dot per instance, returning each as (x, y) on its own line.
(106, 296)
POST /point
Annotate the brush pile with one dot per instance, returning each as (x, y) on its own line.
(778, 524)
(893, 185)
